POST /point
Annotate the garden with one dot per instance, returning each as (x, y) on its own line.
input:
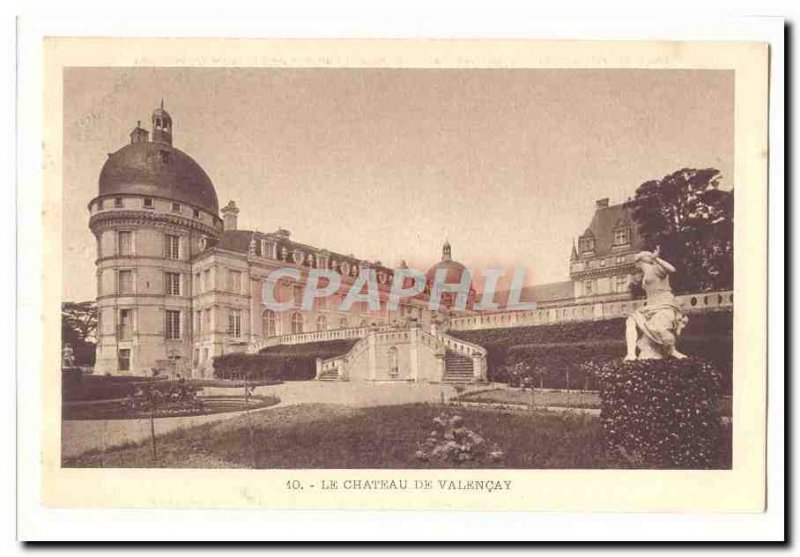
(394, 437)
(90, 397)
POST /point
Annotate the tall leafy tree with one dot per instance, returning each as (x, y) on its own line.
(691, 218)
(78, 328)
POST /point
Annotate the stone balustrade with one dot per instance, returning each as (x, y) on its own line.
(587, 311)
(582, 311)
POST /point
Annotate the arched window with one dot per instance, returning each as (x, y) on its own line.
(322, 323)
(297, 323)
(268, 323)
(343, 323)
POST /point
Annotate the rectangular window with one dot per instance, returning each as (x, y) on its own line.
(172, 246)
(207, 280)
(100, 205)
(198, 322)
(235, 323)
(235, 281)
(124, 242)
(620, 259)
(118, 202)
(148, 202)
(173, 325)
(207, 319)
(196, 214)
(197, 284)
(176, 207)
(125, 282)
(588, 287)
(172, 284)
(124, 359)
(125, 326)
(621, 284)
(297, 294)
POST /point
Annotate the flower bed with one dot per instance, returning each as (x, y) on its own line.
(123, 410)
(660, 413)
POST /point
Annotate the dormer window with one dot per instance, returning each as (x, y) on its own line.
(622, 236)
(586, 244)
(163, 156)
(148, 202)
(176, 207)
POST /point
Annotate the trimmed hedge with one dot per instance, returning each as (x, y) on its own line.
(660, 413)
(550, 350)
(76, 386)
(286, 363)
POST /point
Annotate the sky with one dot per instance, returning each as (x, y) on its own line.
(387, 164)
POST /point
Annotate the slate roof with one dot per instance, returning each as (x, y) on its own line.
(603, 224)
(158, 169)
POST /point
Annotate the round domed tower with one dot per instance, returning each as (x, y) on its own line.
(453, 272)
(156, 208)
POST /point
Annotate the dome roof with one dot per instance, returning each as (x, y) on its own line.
(160, 170)
(454, 271)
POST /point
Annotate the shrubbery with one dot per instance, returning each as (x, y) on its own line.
(76, 386)
(660, 413)
(550, 351)
(287, 363)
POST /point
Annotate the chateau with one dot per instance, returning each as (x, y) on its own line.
(178, 284)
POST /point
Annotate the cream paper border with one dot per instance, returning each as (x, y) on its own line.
(739, 489)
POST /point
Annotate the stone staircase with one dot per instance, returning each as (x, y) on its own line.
(329, 375)
(457, 368)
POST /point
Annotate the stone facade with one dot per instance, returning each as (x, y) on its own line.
(178, 285)
(602, 265)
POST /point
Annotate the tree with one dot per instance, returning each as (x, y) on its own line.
(691, 219)
(78, 327)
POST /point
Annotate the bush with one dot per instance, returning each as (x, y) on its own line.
(286, 363)
(660, 413)
(259, 367)
(77, 387)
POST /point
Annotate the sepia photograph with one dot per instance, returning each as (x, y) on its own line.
(391, 268)
(396, 275)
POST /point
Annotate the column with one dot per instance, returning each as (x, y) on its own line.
(373, 356)
(413, 354)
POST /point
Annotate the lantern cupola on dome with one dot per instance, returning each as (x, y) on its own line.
(162, 125)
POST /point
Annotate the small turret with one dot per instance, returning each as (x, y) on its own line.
(446, 252)
(162, 125)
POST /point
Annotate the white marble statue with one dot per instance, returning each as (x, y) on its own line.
(655, 328)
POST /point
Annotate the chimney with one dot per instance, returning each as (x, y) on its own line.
(602, 203)
(139, 134)
(229, 215)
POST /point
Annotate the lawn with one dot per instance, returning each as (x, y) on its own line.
(333, 436)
